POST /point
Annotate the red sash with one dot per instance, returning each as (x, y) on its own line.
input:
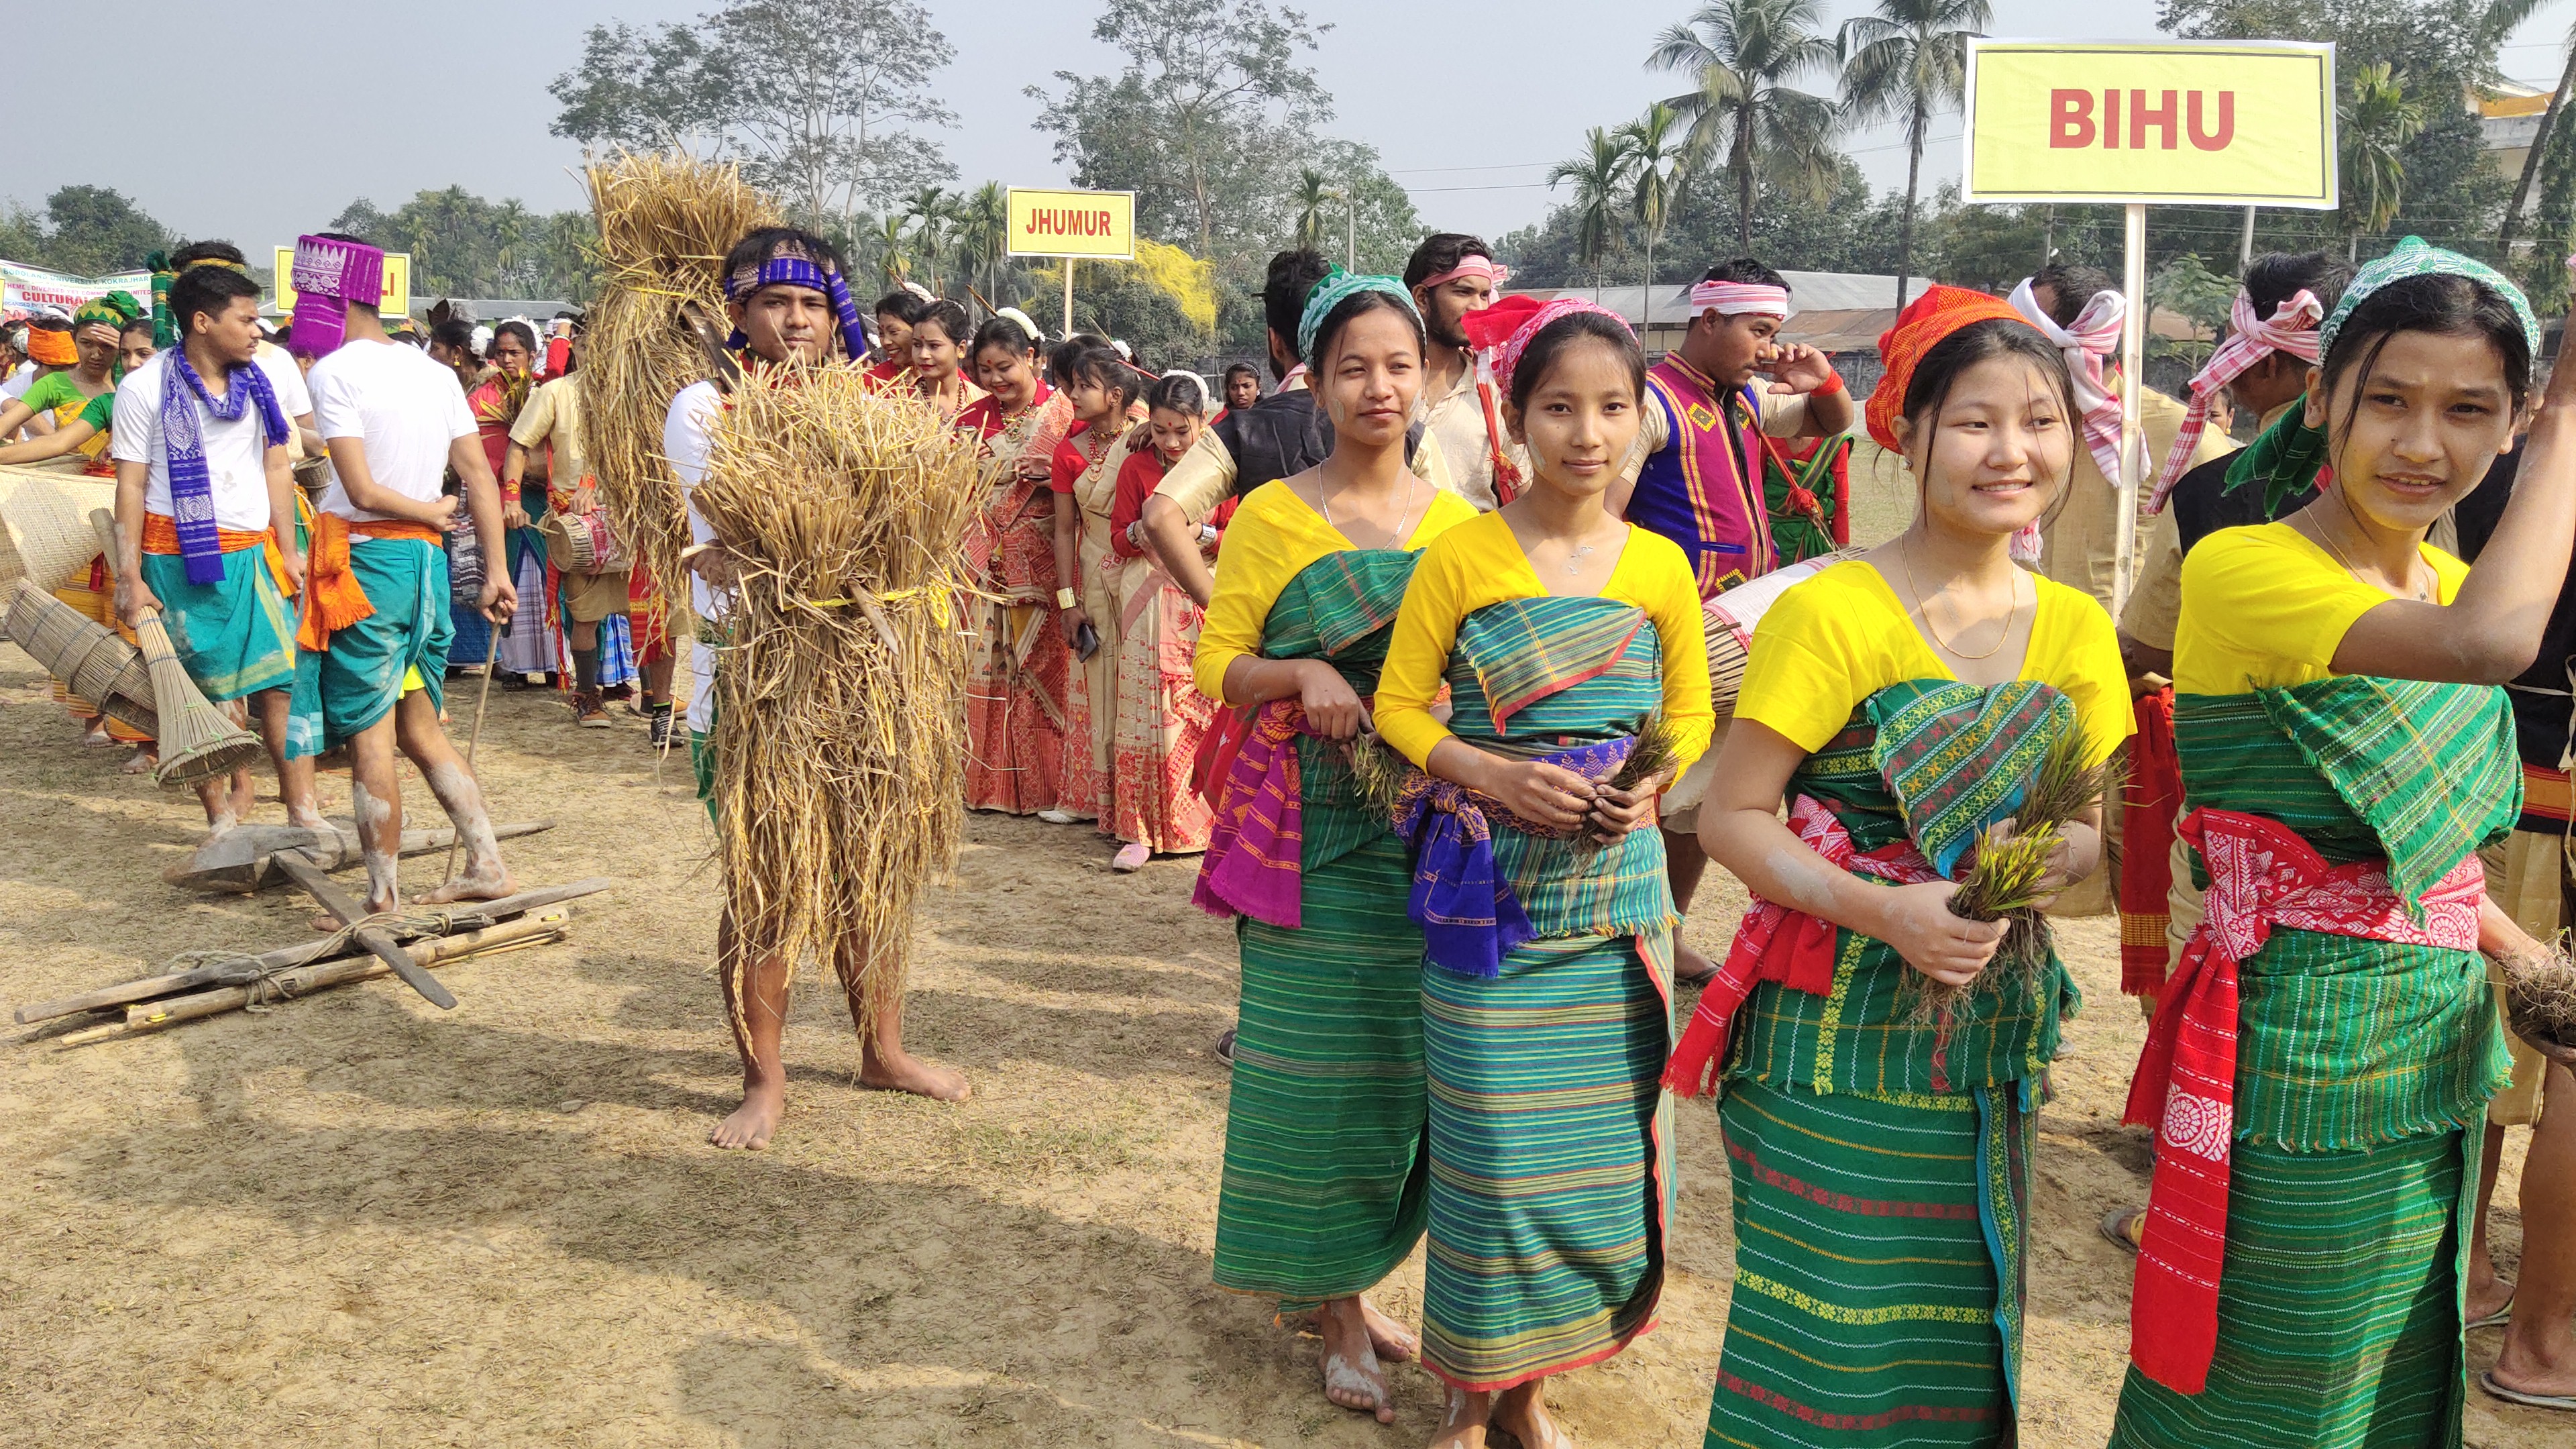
(2147, 811)
(1775, 943)
(2261, 875)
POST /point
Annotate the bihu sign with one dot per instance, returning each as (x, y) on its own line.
(2200, 123)
(1072, 225)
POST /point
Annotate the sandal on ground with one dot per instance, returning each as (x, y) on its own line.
(2123, 1226)
(1131, 856)
(2487, 1381)
(2497, 1319)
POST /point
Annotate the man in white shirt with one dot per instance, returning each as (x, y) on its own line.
(376, 621)
(774, 287)
(205, 501)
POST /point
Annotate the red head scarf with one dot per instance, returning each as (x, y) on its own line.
(1926, 320)
(1503, 331)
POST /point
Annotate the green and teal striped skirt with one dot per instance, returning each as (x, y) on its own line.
(1550, 1157)
(236, 636)
(2338, 1306)
(1324, 1187)
(1878, 1268)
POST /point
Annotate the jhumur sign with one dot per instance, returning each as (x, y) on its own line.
(2239, 123)
(1073, 224)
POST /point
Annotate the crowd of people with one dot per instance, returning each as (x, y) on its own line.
(1412, 642)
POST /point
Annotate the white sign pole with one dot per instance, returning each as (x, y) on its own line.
(1068, 296)
(2133, 382)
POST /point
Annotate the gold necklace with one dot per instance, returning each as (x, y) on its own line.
(1905, 561)
(2413, 594)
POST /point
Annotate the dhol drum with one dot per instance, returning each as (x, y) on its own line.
(1729, 620)
(585, 543)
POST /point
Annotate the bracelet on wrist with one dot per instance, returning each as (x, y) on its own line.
(1832, 384)
(1064, 598)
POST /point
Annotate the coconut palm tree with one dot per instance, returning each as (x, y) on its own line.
(890, 241)
(1654, 174)
(1600, 177)
(929, 212)
(2377, 119)
(1313, 190)
(1741, 56)
(984, 234)
(1903, 62)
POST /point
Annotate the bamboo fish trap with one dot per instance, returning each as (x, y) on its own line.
(665, 224)
(85, 655)
(841, 728)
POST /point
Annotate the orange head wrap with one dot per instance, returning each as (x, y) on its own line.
(1925, 321)
(52, 347)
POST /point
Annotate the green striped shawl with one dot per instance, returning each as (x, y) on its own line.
(1863, 1037)
(2344, 1043)
(1341, 609)
(1602, 676)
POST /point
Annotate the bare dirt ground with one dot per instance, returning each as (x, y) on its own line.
(357, 1220)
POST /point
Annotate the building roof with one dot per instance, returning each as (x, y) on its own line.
(1808, 292)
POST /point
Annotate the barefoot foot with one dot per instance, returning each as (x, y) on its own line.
(904, 1072)
(754, 1122)
(1522, 1413)
(487, 886)
(1394, 1342)
(1353, 1378)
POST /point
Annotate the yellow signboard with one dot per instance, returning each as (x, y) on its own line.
(397, 301)
(1073, 224)
(2232, 122)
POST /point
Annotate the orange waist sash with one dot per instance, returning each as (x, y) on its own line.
(333, 598)
(161, 536)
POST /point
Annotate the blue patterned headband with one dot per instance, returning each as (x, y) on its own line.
(1338, 287)
(2415, 258)
(796, 269)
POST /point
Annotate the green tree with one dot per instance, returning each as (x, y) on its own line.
(2540, 145)
(1653, 163)
(820, 100)
(2187, 287)
(1600, 179)
(95, 229)
(1903, 62)
(462, 245)
(983, 238)
(1741, 56)
(1314, 195)
(1212, 111)
(2373, 124)
(1377, 210)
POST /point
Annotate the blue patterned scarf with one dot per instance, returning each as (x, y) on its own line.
(192, 488)
(795, 269)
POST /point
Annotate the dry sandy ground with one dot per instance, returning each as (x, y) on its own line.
(356, 1220)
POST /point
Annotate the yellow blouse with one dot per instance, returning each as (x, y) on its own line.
(1842, 636)
(2264, 608)
(1480, 563)
(1273, 537)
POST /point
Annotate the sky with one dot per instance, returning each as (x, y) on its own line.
(1467, 117)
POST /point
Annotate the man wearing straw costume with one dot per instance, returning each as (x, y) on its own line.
(205, 506)
(1702, 470)
(785, 295)
(375, 625)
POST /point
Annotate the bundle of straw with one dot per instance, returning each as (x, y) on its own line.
(2540, 999)
(197, 740)
(2006, 875)
(665, 224)
(841, 691)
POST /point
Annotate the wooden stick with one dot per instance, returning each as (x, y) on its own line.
(533, 930)
(491, 661)
(348, 913)
(144, 988)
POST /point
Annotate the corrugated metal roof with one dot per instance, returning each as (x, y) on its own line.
(1808, 292)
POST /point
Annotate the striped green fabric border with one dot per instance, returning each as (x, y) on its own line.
(1551, 1175)
(1958, 757)
(1341, 607)
(1868, 1306)
(1524, 650)
(1325, 1185)
(2338, 1307)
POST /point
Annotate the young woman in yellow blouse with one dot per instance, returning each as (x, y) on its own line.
(1325, 1176)
(1563, 635)
(1901, 702)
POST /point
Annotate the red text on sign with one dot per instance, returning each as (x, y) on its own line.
(2074, 122)
(1068, 221)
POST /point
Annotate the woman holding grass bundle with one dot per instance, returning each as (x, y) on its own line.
(1571, 647)
(2328, 1037)
(1018, 669)
(1325, 1176)
(1883, 1068)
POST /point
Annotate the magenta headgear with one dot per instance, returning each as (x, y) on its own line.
(332, 272)
(1502, 332)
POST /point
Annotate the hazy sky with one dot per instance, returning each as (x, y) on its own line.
(1468, 109)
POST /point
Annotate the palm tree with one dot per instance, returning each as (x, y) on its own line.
(1599, 175)
(984, 234)
(2539, 145)
(927, 208)
(1312, 192)
(2377, 120)
(1654, 165)
(1904, 62)
(888, 242)
(1741, 55)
